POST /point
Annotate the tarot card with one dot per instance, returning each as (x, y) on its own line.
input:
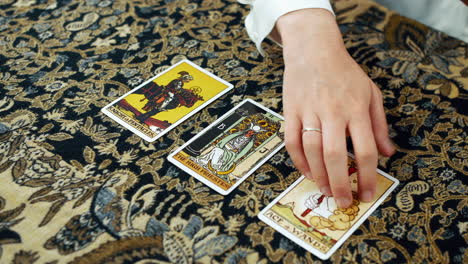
(233, 147)
(155, 107)
(312, 220)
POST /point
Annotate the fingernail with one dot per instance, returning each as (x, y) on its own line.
(309, 176)
(343, 202)
(367, 196)
(326, 190)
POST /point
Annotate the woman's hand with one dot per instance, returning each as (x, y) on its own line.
(325, 88)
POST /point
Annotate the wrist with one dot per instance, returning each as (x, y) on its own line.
(309, 30)
(307, 22)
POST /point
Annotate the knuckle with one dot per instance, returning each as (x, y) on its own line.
(340, 188)
(320, 177)
(368, 155)
(335, 110)
(331, 153)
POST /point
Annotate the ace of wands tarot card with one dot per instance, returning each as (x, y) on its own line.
(313, 221)
(158, 105)
(233, 147)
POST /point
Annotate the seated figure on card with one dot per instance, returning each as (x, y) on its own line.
(223, 157)
(162, 98)
(238, 144)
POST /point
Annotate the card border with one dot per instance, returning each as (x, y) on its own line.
(345, 236)
(194, 111)
(247, 174)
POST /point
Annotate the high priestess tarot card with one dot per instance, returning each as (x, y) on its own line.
(233, 147)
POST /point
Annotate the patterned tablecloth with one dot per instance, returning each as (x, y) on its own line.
(77, 187)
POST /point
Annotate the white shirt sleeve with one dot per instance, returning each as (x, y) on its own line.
(262, 17)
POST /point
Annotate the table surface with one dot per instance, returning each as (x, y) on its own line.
(77, 187)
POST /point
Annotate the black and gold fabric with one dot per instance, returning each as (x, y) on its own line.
(76, 187)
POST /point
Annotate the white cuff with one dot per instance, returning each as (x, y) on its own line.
(264, 14)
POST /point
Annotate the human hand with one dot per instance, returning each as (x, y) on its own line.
(325, 88)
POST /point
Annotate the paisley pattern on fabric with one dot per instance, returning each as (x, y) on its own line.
(76, 187)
